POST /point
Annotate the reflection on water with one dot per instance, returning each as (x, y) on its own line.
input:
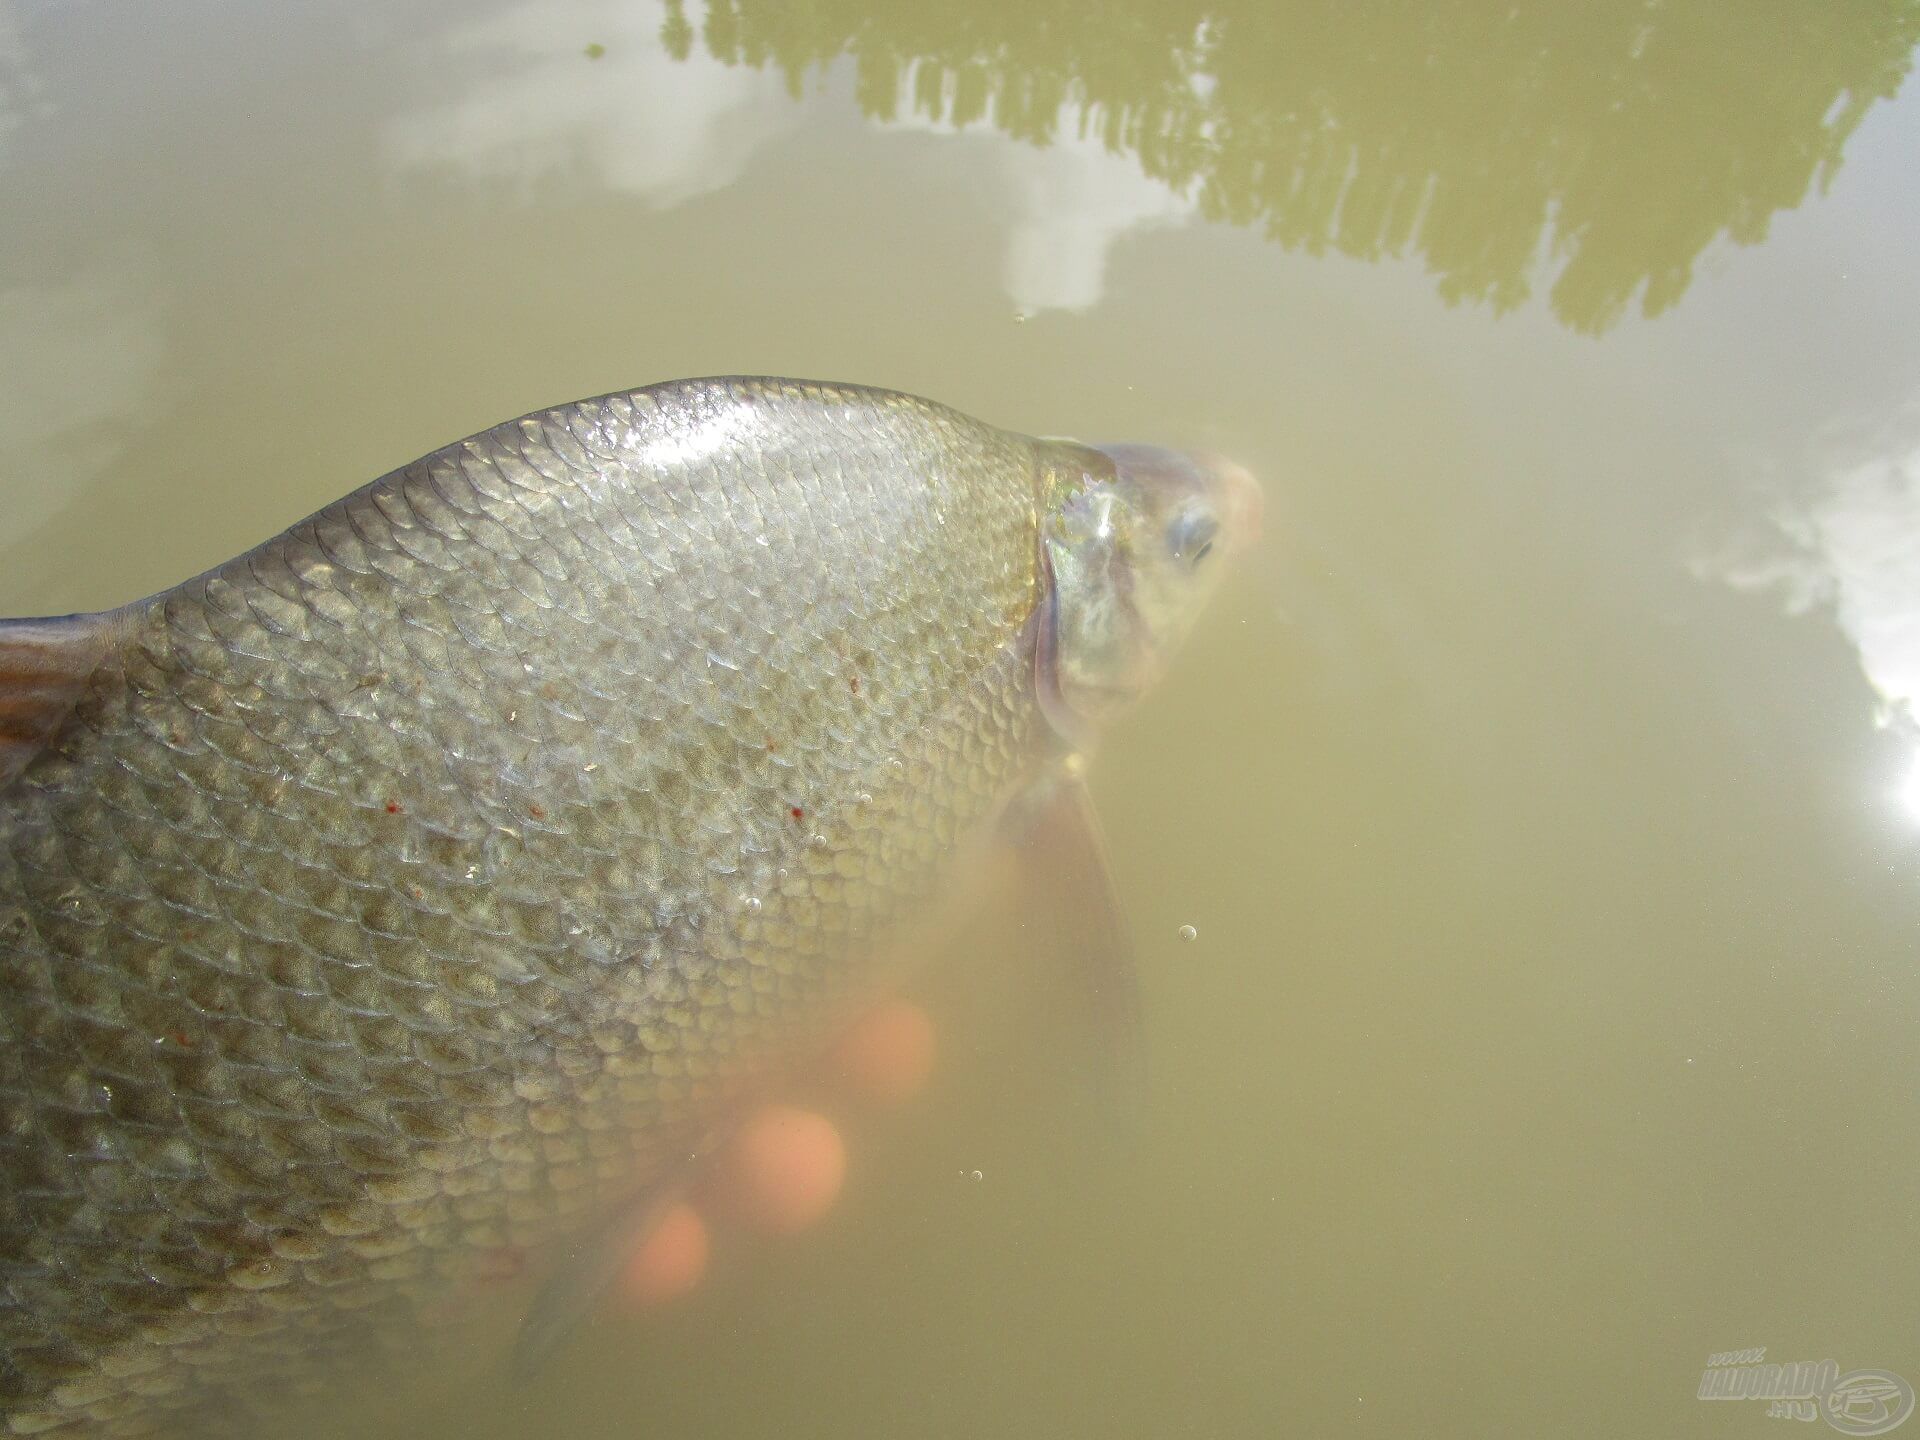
(16, 80)
(640, 121)
(1625, 141)
(96, 339)
(1504, 147)
(527, 110)
(1066, 206)
(1853, 548)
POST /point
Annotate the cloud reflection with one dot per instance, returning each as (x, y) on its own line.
(1073, 203)
(1067, 205)
(1855, 548)
(530, 105)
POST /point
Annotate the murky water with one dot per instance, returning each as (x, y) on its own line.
(1546, 800)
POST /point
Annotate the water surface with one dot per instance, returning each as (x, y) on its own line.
(1546, 799)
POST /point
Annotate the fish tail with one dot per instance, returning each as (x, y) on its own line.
(45, 667)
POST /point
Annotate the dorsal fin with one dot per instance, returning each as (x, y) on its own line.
(44, 669)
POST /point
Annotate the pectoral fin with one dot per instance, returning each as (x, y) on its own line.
(583, 1272)
(1066, 867)
(45, 666)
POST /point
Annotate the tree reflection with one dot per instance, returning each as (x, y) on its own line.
(1614, 141)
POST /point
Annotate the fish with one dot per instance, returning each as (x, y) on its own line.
(424, 883)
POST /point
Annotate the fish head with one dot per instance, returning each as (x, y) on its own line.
(1133, 540)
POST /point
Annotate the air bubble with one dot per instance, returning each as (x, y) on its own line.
(750, 904)
(1187, 932)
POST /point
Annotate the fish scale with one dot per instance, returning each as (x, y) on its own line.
(424, 883)
(256, 999)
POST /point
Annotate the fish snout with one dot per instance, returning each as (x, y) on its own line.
(1242, 503)
(1171, 477)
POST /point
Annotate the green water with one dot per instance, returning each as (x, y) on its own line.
(1546, 797)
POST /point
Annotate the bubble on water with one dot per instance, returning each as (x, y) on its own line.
(750, 904)
(863, 798)
(977, 1175)
(1188, 932)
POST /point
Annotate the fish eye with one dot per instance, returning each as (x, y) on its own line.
(1190, 536)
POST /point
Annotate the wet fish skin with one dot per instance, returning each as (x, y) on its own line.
(421, 881)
